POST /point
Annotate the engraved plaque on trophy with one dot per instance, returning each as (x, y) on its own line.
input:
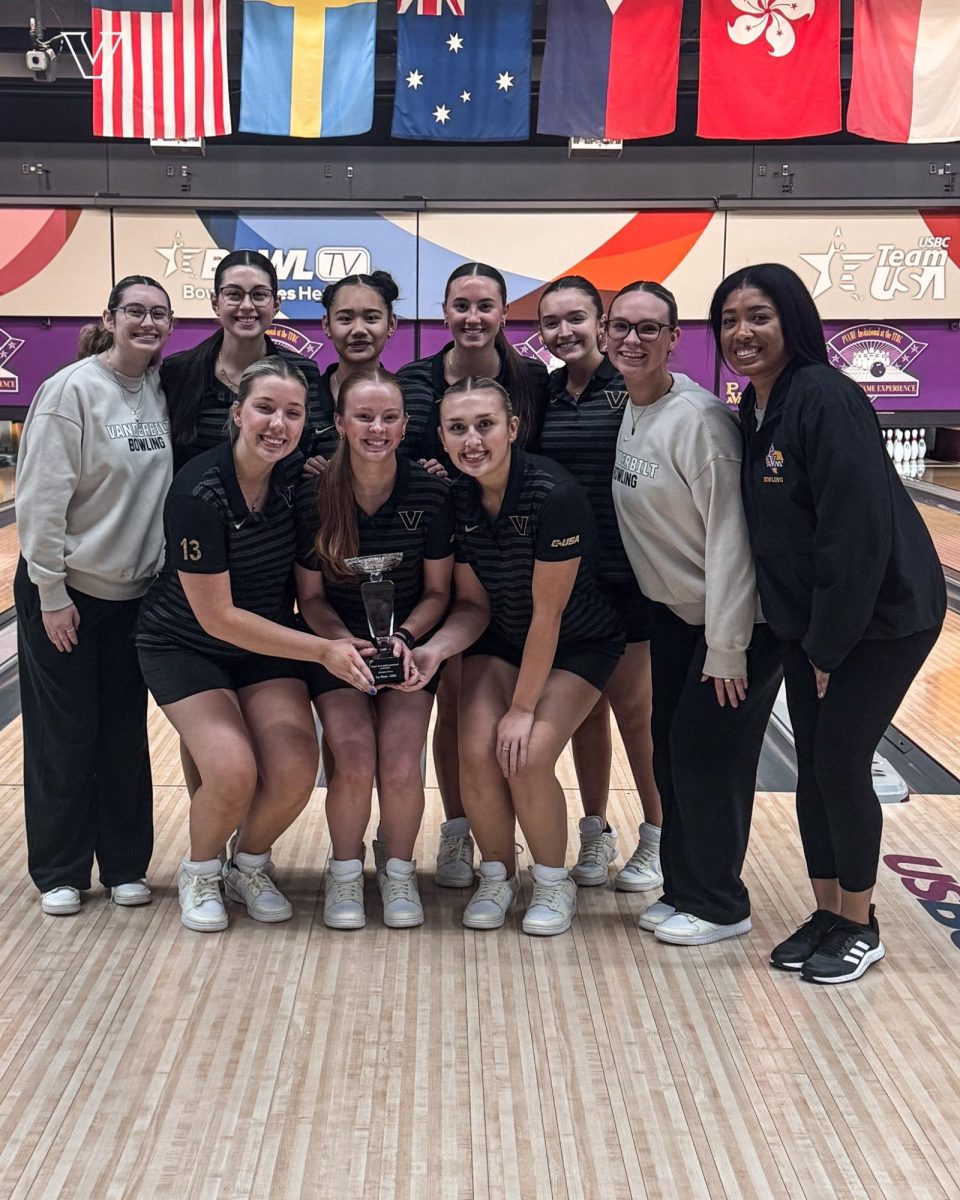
(377, 592)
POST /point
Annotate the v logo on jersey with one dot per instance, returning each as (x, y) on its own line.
(615, 399)
(520, 525)
(411, 518)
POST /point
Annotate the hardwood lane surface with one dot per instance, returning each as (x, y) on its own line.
(138, 1059)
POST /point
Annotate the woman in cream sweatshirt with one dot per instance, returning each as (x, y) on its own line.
(94, 466)
(715, 666)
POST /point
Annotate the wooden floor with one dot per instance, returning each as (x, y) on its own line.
(140, 1060)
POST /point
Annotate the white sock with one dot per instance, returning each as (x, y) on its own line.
(209, 866)
(550, 875)
(495, 871)
(399, 867)
(592, 825)
(455, 827)
(345, 868)
(650, 834)
(248, 863)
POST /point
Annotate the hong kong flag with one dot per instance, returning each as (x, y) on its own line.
(769, 69)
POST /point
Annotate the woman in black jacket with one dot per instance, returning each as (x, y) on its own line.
(201, 384)
(850, 583)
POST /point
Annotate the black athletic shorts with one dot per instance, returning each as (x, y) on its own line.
(592, 659)
(320, 680)
(631, 604)
(177, 673)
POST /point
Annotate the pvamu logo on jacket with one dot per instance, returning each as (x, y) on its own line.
(774, 462)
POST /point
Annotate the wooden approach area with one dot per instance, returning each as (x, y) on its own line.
(138, 1059)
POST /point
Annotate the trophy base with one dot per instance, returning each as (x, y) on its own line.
(386, 669)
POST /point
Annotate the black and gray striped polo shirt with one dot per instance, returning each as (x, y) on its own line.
(209, 530)
(416, 520)
(581, 435)
(545, 516)
(423, 385)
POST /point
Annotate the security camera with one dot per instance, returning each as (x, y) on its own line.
(40, 60)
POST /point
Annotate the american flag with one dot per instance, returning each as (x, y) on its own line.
(433, 8)
(166, 76)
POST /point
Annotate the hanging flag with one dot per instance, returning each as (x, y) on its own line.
(161, 68)
(307, 68)
(905, 85)
(769, 69)
(610, 68)
(432, 8)
(463, 76)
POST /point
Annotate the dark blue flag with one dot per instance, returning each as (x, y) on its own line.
(464, 78)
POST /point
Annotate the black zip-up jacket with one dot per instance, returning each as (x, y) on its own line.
(842, 554)
(191, 372)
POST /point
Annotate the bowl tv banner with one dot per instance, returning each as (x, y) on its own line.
(888, 284)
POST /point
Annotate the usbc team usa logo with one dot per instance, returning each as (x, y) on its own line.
(9, 345)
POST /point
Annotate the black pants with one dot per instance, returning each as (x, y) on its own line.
(705, 762)
(837, 809)
(86, 767)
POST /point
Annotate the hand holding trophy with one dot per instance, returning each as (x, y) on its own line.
(377, 592)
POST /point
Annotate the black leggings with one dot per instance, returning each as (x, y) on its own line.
(705, 763)
(837, 809)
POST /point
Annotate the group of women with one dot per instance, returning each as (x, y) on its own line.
(610, 537)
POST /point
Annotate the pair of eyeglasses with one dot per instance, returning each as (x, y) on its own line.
(259, 296)
(646, 331)
(137, 312)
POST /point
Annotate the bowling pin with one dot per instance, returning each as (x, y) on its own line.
(898, 445)
(922, 448)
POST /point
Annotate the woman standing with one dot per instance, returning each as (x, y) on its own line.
(715, 667)
(94, 467)
(850, 583)
(524, 529)
(202, 384)
(579, 431)
(371, 502)
(475, 311)
(221, 656)
(359, 321)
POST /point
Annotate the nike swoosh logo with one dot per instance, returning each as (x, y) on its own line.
(470, 528)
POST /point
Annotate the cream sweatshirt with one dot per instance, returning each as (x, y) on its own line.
(676, 490)
(92, 475)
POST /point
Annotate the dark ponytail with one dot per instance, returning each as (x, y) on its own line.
(96, 338)
(516, 378)
(338, 535)
(381, 282)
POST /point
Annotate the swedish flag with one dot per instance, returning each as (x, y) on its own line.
(308, 67)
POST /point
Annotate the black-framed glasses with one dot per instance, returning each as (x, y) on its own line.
(259, 296)
(137, 312)
(646, 331)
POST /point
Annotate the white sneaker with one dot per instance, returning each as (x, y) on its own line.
(552, 907)
(684, 929)
(60, 901)
(454, 860)
(598, 849)
(493, 899)
(401, 897)
(655, 914)
(129, 895)
(252, 886)
(201, 905)
(343, 897)
(641, 872)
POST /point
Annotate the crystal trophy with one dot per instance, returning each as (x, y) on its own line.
(377, 592)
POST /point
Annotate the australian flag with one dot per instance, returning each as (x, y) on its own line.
(463, 70)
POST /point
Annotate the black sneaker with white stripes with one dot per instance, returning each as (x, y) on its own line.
(845, 952)
(793, 952)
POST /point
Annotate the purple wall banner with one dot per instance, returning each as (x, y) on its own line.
(903, 368)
